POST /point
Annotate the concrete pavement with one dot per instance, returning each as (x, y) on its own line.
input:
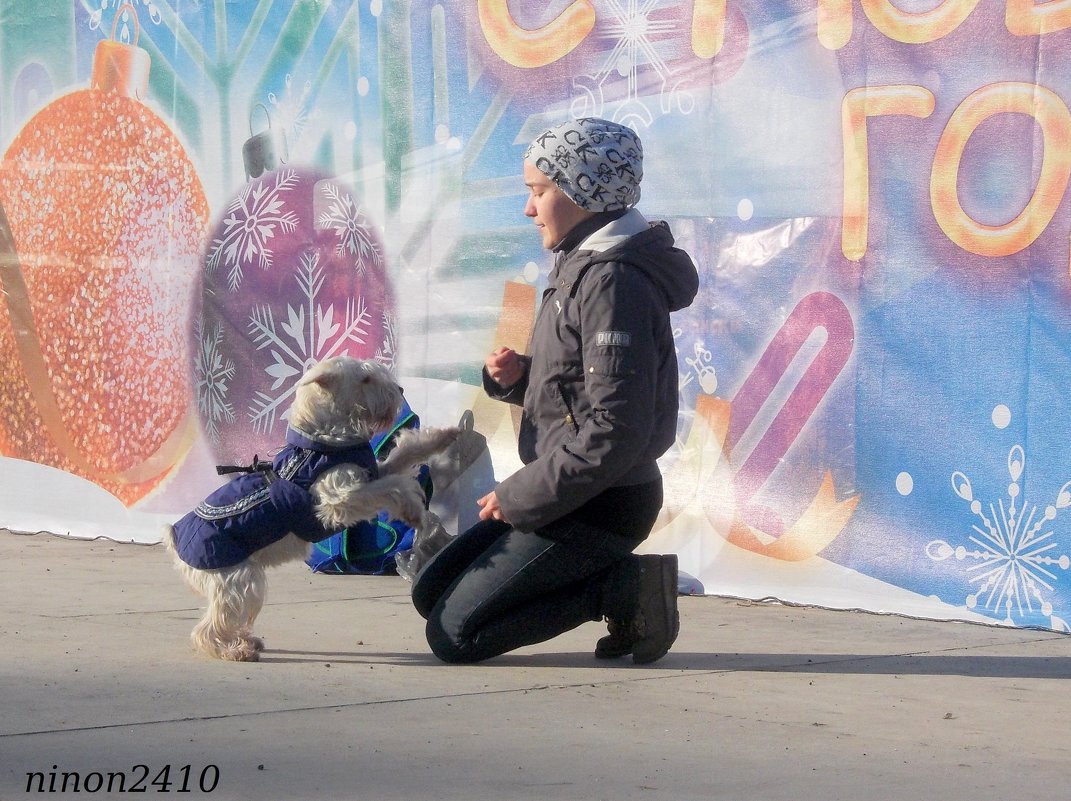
(757, 702)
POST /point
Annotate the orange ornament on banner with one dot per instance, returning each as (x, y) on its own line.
(104, 218)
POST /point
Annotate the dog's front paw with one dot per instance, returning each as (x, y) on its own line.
(443, 443)
(451, 434)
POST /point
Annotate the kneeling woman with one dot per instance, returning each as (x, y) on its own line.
(554, 545)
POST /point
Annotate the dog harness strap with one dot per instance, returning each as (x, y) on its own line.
(266, 469)
(245, 492)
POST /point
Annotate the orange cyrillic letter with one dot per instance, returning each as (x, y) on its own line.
(1050, 113)
(530, 49)
(708, 27)
(858, 104)
(927, 26)
(1027, 18)
(835, 21)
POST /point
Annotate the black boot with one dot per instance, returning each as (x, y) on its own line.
(617, 643)
(656, 622)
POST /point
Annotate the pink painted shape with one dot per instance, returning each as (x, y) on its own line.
(820, 309)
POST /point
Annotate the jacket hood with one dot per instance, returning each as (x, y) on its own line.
(648, 246)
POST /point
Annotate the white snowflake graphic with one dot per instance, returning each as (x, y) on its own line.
(292, 109)
(310, 334)
(637, 45)
(253, 219)
(701, 368)
(96, 16)
(214, 372)
(1015, 556)
(700, 365)
(388, 351)
(702, 371)
(344, 216)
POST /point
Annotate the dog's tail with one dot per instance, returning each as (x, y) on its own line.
(167, 537)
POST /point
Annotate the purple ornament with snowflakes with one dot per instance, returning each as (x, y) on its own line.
(293, 273)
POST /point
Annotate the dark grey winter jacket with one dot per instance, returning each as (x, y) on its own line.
(600, 391)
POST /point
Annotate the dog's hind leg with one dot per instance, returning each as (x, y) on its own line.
(246, 642)
(289, 549)
(207, 636)
(253, 583)
(245, 631)
(234, 599)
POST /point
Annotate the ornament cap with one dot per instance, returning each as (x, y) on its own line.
(122, 67)
(261, 151)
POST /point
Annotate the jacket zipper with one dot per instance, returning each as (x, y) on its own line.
(569, 417)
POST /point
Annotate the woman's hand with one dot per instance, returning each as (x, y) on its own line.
(489, 508)
(504, 367)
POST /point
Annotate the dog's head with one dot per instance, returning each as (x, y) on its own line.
(342, 398)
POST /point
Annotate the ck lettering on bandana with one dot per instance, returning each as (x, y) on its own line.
(597, 163)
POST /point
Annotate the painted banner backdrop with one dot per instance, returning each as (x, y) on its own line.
(202, 198)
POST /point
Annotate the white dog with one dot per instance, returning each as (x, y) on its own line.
(326, 479)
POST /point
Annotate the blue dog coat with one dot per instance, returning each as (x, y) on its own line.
(253, 511)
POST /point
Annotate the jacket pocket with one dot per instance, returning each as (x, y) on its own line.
(570, 412)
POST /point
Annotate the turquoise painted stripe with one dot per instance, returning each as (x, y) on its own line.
(294, 38)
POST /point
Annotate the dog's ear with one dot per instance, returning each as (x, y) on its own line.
(372, 371)
(323, 374)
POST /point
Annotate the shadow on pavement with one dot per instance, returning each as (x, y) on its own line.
(983, 666)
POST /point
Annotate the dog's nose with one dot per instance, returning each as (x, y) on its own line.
(400, 388)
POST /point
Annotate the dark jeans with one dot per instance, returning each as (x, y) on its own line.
(495, 588)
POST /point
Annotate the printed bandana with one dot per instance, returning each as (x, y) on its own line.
(597, 163)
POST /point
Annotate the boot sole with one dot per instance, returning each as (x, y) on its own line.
(612, 653)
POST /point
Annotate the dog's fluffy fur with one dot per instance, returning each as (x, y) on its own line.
(336, 401)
